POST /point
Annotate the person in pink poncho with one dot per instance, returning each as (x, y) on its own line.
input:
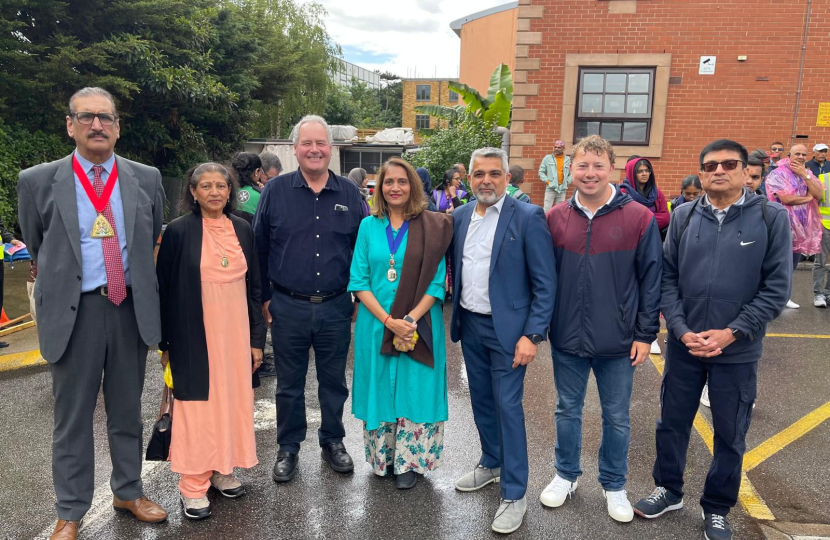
(794, 186)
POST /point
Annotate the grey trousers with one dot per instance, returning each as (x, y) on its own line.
(553, 198)
(105, 342)
(821, 283)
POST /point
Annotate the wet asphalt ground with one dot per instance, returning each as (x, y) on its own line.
(794, 379)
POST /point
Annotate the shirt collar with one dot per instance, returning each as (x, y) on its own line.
(739, 202)
(87, 165)
(585, 208)
(299, 180)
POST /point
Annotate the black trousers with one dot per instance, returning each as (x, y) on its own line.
(297, 327)
(732, 390)
(104, 343)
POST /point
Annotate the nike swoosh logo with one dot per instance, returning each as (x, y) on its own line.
(747, 243)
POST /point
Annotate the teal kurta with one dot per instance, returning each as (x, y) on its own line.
(386, 388)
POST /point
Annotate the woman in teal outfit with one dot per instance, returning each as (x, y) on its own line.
(400, 373)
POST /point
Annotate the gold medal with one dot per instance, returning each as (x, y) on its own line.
(391, 274)
(101, 228)
(225, 262)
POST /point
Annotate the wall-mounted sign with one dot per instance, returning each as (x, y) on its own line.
(823, 119)
(707, 65)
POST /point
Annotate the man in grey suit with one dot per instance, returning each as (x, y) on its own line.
(91, 221)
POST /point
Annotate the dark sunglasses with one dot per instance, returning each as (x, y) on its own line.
(728, 165)
(777, 149)
(87, 118)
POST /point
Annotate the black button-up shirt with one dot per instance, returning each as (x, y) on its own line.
(305, 240)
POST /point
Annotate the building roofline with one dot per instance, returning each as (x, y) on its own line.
(458, 23)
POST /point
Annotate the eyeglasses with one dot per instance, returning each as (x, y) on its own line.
(87, 118)
(755, 176)
(728, 165)
(776, 149)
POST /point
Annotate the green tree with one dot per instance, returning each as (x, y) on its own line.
(453, 144)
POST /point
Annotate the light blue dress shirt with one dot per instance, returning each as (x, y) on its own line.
(93, 270)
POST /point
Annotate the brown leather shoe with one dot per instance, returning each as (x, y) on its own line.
(66, 530)
(143, 509)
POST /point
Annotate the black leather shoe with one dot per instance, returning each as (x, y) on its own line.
(406, 480)
(338, 458)
(285, 469)
(3, 344)
(267, 370)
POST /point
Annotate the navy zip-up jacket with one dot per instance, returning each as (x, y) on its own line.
(608, 271)
(737, 274)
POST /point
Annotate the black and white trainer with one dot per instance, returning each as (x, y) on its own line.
(716, 527)
(658, 503)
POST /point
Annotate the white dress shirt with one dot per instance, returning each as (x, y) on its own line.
(475, 264)
(585, 208)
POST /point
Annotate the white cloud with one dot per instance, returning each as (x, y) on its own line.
(408, 37)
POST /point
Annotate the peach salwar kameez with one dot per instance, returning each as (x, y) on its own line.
(218, 434)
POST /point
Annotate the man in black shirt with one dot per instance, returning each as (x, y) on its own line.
(306, 228)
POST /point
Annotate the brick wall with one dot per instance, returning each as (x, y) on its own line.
(752, 101)
(439, 95)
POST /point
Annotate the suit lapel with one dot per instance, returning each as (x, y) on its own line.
(505, 216)
(129, 195)
(63, 190)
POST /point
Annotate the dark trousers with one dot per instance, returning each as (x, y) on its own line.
(732, 390)
(105, 341)
(299, 325)
(496, 391)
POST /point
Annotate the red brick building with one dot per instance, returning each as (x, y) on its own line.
(638, 71)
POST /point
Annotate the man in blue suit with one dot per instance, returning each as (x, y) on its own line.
(504, 277)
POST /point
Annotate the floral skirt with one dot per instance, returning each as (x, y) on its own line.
(404, 446)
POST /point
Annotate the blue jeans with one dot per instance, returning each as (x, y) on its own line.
(615, 378)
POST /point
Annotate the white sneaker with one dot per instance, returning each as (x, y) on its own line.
(618, 506)
(704, 397)
(792, 305)
(557, 491)
(655, 347)
(820, 301)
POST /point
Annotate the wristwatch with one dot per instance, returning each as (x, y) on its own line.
(409, 319)
(737, 334)
(535, 338)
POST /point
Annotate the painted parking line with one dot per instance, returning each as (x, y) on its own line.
(771, 446)
(12, 361)
(750, 500)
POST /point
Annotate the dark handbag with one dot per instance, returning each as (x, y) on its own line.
(158, 449)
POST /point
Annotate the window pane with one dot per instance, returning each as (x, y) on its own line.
(592, 82)
(614, 103)
(637, 104)
(453, 95)
(422, 92)
(352, 160)
(635, 131)
(370, 161)
(638, 82)
(389, 155)
(611, 132)
(592, 103)
(421, 121)
(583, 129)
(615, 82)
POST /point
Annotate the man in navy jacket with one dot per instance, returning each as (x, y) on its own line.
(608, 259)
(505, 282)
(727, 272)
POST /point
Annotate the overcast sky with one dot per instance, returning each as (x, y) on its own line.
(401, 36)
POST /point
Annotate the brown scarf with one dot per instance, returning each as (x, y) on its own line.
(430, 234)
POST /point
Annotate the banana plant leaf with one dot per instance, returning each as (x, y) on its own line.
(441, 111)
(499, 111)
(501, 81)
(475, 101)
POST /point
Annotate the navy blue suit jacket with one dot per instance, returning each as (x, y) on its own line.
(522, 272)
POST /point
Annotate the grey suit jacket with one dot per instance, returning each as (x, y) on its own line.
(48, 215)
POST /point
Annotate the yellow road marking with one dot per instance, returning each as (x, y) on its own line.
(21, 359)
(749, 498)
(760, 453)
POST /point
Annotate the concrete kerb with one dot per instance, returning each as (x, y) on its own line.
(775, 530)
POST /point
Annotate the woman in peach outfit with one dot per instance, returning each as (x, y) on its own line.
(212, 335)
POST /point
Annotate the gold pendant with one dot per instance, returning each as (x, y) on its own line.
(391, 274)
(101, 228)
(225, 262)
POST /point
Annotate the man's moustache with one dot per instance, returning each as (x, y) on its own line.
(97, 134)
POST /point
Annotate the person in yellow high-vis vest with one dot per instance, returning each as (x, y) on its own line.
(820, 167)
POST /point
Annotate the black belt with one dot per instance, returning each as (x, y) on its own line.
(317, 299)
(104, 291)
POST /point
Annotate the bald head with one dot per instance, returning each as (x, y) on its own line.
(798, 154)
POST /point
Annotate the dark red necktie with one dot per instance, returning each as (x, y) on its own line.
(116, 287)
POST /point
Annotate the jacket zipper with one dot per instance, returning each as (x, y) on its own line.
(584, 280)
(711, 273)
